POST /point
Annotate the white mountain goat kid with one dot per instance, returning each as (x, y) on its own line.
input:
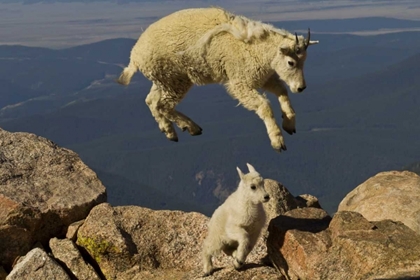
(211, 45)
(236, 225)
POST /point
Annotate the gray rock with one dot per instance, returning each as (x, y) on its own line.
(43, 189)
(66, 251)
(37, 265)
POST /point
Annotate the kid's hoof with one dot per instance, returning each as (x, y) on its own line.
(237, 264)
(206, 274)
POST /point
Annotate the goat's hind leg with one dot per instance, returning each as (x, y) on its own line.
(166, 126)
(171, 98)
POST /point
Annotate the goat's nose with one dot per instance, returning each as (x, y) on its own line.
(267, 197)
(301, 89)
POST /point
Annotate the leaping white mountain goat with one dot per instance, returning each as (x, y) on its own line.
(236, 225)
(211, 45)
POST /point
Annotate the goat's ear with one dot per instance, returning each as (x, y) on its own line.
(241, 175)
(251, 168)
(285, 50)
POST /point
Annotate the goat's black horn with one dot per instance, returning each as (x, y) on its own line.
(308, 39)
(297, 40)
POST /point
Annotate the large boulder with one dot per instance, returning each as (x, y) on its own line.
(307, 244)
(131, 242)
(43, 189)
(37, 265)
(393, 195)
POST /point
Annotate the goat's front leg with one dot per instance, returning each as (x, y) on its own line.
(276, 86)
(240, 235)
(253, 101)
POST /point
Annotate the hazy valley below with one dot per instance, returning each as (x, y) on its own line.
(359, 116)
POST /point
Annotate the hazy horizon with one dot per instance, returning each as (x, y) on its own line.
(61, 25)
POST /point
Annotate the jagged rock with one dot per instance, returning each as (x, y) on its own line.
(303, 245)
(281, 200)
(3, 273)
(370, 250)
(393, 195)
(37, 265)
(298, 241)
(43, 189)
(250, 272)
(73, 229)
(66, 252)
(307, 200)
(131, 242)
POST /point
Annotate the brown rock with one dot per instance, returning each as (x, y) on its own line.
(65, 251)
(298, 240)
(281, 200)
(390, 195)
(43, 189)
(132, 242)
(73, 229)
(307, 200)
(370, 250)
(250, 272)
(304, 244)
(37, 265)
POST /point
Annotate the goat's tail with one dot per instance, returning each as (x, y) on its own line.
(127, 74)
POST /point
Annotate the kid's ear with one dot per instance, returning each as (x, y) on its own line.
(241, 175)
(251, 168)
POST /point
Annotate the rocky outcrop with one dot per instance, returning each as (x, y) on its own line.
(43, 189)
(47, 192)
(307, 244)
(393, 195)
(37, 265)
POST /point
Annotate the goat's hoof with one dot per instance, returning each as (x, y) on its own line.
(290, 131)
(195, 133)
(174, 139)
(283, 147)
(289, 128)
(206, 274)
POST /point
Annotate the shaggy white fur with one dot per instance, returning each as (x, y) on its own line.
(236, 225)
(203, 46)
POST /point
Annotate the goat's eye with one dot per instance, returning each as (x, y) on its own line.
(253, 187)
(291, 63)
